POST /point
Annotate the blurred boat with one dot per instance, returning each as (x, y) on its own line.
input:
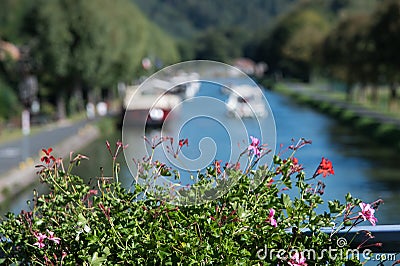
(151, 106)
(188, 84)
(246, 101)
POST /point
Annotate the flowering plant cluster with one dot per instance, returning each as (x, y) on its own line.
(103, 223)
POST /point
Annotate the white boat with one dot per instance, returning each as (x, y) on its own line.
(246, 101)
(150, 106)
(188, 84)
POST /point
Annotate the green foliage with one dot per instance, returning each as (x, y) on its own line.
(186, 19)
(385, 32)
(13, 20)
(347, 50)
(219, 45)
(9, 105)
(347, 40)
(214, 30)
(75, 44)
(103, 223)
(290, 45)
(362, 47)
(96, 46)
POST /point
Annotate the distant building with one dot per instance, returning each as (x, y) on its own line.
(8, 49)
(249, 67)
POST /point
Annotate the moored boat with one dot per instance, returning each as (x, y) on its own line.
(149, 107)
(246, 101)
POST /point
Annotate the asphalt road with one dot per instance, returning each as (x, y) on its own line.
(14, 152)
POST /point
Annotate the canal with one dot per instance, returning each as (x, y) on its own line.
(362, 167)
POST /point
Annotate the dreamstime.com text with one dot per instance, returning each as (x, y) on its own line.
(331, 253)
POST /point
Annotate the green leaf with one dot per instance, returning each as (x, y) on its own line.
(288, 203)
(348, 197)
(81, 220)
(38, 222)
(162, 254)
(335, 206)
(96, 260)
(106, 251)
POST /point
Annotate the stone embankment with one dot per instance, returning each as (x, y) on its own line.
(381, 127)
(16, 180)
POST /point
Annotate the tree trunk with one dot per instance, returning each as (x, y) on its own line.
(76, 103)
(393, 91)
(393, 97)
(362, 94)
(349, 92)
(374, 94)
(91, 96)
(61, 107)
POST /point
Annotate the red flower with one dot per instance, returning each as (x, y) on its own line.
(325, 168)
(48, 151)
(47, 158)
(218, 166)
(296, 167)
(183, 142)
(119, 145)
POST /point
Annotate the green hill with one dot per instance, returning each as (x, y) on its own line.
(185, 19)
(222, 29)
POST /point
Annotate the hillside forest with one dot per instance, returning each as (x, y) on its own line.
(73, 52)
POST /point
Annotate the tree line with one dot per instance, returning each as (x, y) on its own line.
(296, 38)
(351, 41)
(354, 47)
(76, 49)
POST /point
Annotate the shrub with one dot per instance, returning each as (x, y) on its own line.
(9, 103)
(273, 223)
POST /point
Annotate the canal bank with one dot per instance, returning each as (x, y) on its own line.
(22, 177)
(383, 128)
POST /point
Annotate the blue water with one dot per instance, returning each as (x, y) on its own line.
(362, 167)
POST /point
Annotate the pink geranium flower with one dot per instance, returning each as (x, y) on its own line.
(53, 238)
(367, 213)
(297, 259)
(255, 142)
(40, 238)
(271, 218)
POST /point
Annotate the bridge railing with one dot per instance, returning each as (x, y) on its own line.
(388, 235)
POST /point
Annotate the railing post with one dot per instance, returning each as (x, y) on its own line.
(388, 235)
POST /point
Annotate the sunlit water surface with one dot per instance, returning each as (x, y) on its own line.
(362, 167)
